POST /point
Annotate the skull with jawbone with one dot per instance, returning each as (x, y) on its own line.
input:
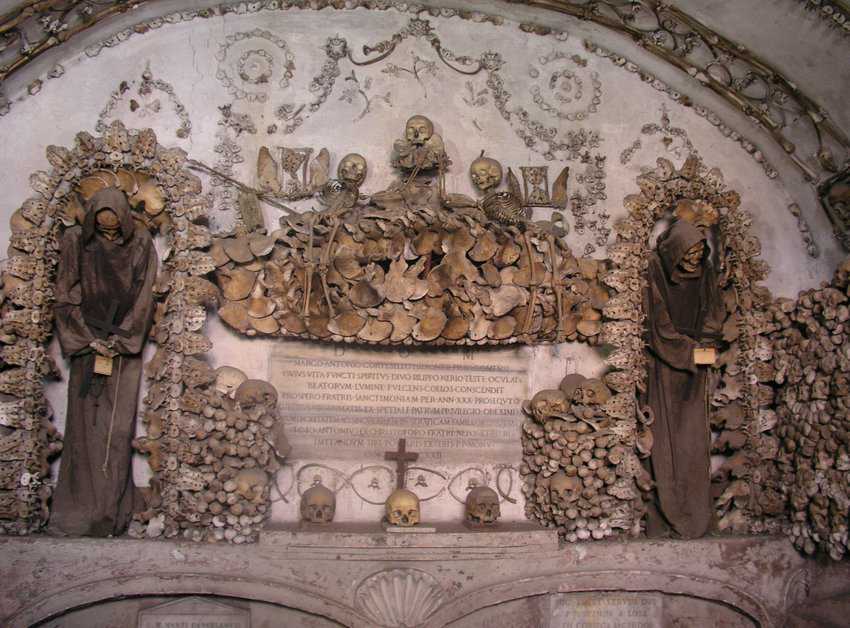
(482, 506)
(418, 130)
(486, 173)
(403, 508)
(352, 170)
(318, 504)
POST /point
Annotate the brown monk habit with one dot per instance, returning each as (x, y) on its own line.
(683, 310)
(101, 282)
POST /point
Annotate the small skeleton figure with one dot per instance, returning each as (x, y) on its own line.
(421, 149)
(482, 506)
(318, 504)
(344, 191)
(402, 508)
(505, 207)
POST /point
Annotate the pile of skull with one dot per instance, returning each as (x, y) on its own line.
(580, 474)
(811, 354)
(403, 507)
(229, 443)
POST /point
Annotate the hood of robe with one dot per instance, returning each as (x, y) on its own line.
(674, 243)
(109, 198)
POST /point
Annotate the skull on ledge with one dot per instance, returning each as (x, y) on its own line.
(402, 508)
(482, 506)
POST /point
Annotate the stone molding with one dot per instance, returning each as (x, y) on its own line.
(757, 577)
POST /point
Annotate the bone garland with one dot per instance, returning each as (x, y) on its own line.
(746, 301)
(580, 466)
(805, 469)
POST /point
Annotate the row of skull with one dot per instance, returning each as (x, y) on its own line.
(403, 508)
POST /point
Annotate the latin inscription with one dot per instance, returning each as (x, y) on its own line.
(353, 403)
(606, 610)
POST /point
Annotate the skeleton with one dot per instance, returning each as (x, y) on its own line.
(318, 504)
(482, 506)
(421, 149)
(402, 508)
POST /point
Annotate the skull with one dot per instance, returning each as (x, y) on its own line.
(251, 483)
(486, 173)
(352, 169)
(591, 391)
(564, 489)
(228, 379)
(482, 505)
(548, 403)
(418, 130)
(402, 508)
(255, 392)
(318, 504)
(107, 224)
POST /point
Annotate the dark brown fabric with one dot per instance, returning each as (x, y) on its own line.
(683, 309)
(94, 276)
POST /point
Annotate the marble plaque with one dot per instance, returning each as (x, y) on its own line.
(606, 610)
(455, 405)
(194, 612)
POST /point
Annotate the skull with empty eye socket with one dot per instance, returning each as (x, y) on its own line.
(403, 508)
(486, 173)
(591, 391)
(318, 504)
(482, 506)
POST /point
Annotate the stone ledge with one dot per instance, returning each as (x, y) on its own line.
(507, 538)
(322, 572)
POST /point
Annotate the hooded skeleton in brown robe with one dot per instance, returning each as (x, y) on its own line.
(103, 306)
(684, 310)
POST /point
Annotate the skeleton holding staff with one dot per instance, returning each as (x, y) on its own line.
(103, 313)
(684, 317)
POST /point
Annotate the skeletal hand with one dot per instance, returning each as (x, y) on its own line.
(103, 348)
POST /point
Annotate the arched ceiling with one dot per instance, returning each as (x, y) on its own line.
(34, 32)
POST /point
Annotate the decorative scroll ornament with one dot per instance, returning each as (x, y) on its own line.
(397, 598)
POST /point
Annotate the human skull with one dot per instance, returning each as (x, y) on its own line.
(318, 504)
(352, 169)
(564, 489)
(254, 392)
(482, 505)
(486, 173)
(591, 391)
(107, 224)
(418, 130)
(228, 379)
(402, 508)
(548, 403)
